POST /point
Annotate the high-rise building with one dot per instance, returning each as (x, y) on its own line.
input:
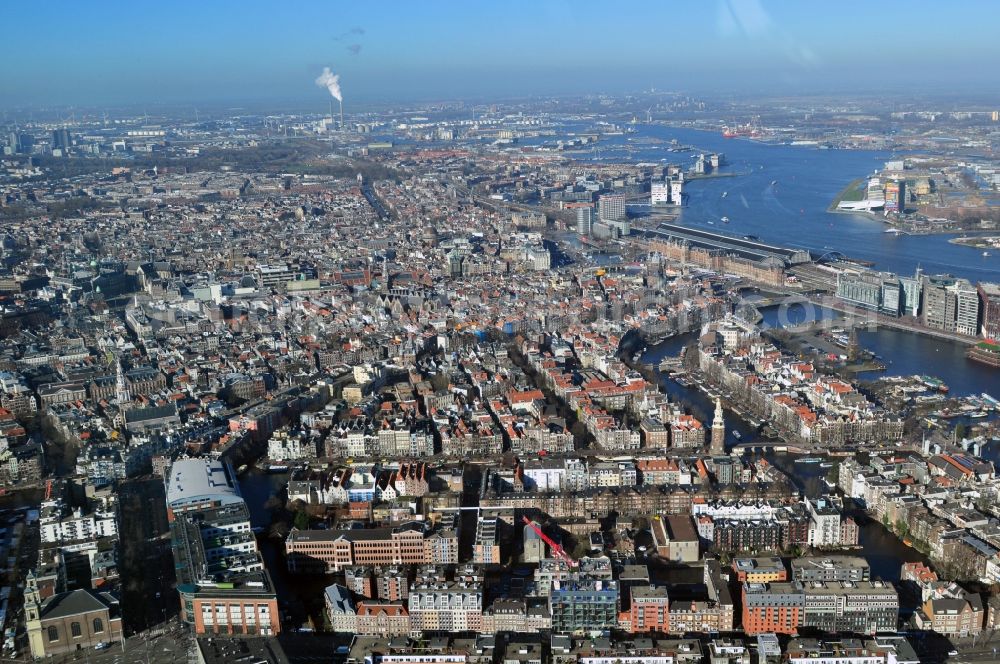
(486, 549)
(677, 191)
(912, 289)
(878, 291)
(534, 546)
(61, 139)
(25, 143)
(895, 196)
(659, 193)
(951, 304)
(649, 610)
(863, 289)
(966, 308)
(875, 193)
(223, 585)
(611, 207)
(989, 307)
(892, 296)
(935, 307)
(584, 220)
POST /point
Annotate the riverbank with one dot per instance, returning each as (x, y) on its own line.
(710, 176)
(851, 192)
(978, 242)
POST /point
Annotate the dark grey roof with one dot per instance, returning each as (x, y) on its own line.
(74, 603)
(151, 413)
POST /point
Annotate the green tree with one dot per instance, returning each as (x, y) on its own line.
(961, 430)
(301, 520)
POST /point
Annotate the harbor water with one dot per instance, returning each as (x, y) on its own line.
(781, 194)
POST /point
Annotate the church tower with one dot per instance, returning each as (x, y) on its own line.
(718, 444)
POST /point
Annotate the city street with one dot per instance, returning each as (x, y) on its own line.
(169, 648)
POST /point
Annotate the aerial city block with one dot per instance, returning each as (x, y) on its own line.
(431, 334)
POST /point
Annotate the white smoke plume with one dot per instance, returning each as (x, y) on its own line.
(331, 82)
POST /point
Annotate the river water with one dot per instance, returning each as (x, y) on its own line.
(782, 194)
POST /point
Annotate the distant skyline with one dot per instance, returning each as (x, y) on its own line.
(92, 53)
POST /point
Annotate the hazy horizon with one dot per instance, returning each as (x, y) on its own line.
(100, 53)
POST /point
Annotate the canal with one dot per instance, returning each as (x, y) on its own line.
(884, 551)
(694, 401)
(904, 353)
(299, 597)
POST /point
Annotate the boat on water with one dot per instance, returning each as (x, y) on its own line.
(725, 220)
(737, 435)
(826, 464)
(725, 193)
(277, 468)
(242, 469)
(774, 182)
(986, 253)
(978, 414)
(934, 383)
(808, 460)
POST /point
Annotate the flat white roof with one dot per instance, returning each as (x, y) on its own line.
(197, 480)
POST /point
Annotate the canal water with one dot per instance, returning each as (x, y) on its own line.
(297, 596)
(884, 551)
(694, 401)
(795, 313)
(257, 488)
(904, 353)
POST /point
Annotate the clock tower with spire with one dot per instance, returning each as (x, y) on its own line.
(718, 444)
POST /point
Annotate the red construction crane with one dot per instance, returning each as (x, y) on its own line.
(556, 548)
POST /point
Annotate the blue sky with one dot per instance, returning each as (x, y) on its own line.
(61, 52)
